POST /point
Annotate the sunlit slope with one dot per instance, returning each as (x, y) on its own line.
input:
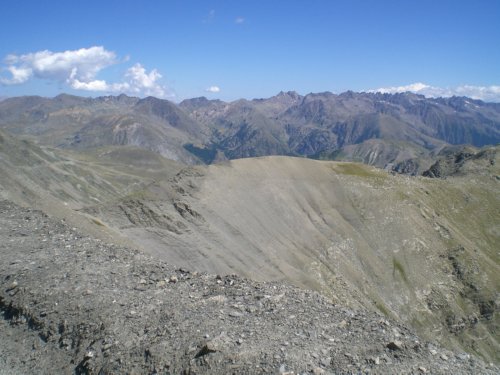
(425, 250)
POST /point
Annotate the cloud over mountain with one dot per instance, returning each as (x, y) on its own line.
(486, 93)
(142, 82)
(79, 70)
(213, 89)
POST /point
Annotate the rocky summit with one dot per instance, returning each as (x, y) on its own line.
(71, 303)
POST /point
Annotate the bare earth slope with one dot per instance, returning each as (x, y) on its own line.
(417, 249)
(73, 304)
(422, 251)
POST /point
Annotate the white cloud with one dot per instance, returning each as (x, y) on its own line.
(79, 69)
(19, 75)
(414, 87)
(84, 64)
(213, 89)
(140, 81)
(97, 85)
(486, 93)
(239, 20)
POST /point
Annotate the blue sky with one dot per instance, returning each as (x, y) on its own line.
(249, 49)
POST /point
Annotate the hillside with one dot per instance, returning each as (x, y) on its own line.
(418, 249)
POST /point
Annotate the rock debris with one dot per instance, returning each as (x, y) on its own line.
(74, 304)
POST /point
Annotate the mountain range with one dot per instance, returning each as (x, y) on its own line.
(395, 131)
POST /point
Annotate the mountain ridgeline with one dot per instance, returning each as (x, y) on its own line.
(400, 131)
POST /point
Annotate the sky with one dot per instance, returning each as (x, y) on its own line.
(249, 49)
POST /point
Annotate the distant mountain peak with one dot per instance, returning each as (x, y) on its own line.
(292, 94)
(201, 100)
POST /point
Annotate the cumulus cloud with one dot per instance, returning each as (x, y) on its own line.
(213, 89)
(18, 75)
(141, 81)
(96, 85)
(239, 20)
(79, 69)
(486, 93)
(83, 64)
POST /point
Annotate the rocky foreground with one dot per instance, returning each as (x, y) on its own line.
(74, 304)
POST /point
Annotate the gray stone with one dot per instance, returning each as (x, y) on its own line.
(395, 345)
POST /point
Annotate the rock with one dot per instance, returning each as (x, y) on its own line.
(325, 362)
(235, 314)
(318, 371)
(173, 279)
(374, 360)
(395, 345)
(209, 347)
(283, 370)
(12, 286)
(444, 357)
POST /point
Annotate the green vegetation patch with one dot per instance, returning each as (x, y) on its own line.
(383, 309)
(397, 266)
(354, 169)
